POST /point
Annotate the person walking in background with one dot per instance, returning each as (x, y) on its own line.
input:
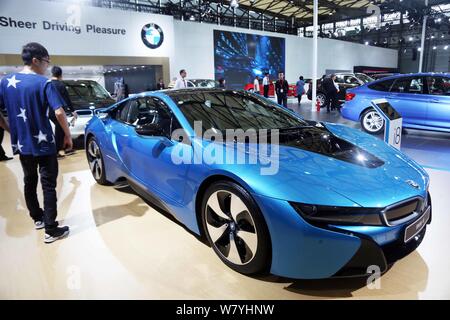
(300, 86)
(256, 85)
(27, 96)
(266, 82)
(222, 83)
(282, 89)
(181, 81)
(3, 126)
(59, 132)
(331, 89)
(160, 85)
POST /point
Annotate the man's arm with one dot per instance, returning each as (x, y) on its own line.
(3, 123)
(62, 119)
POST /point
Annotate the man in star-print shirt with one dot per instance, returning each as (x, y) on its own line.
(27, 96)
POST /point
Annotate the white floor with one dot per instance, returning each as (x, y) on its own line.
(121, 248)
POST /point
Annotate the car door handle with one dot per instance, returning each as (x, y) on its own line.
(435, 100)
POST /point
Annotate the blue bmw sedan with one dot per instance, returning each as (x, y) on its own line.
(278, 194)
(423, 100)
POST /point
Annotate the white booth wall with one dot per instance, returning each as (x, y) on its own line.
(194, 51)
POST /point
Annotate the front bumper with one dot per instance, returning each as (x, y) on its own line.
(77, 126)
(301, 250)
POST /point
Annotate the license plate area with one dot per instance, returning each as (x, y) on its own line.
(413, 229)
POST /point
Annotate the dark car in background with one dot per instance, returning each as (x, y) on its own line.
(344, 81)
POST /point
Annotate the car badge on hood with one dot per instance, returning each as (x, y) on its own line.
(412, 184)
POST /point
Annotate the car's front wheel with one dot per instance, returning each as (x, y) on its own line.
(95, 160)
(372, 122)
(235, 228)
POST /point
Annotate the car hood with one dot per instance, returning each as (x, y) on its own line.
(308, 176)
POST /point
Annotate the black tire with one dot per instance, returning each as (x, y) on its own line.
(250, 262)
(371, 128)
(95, 160)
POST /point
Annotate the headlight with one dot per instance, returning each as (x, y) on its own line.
(339, 215)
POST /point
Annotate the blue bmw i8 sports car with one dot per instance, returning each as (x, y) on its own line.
(320, 200)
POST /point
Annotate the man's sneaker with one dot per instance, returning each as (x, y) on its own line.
(55, 234)
(39, 225)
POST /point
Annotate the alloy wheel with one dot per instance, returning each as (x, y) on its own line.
(231, 227)
(95, 159)
(372, 121)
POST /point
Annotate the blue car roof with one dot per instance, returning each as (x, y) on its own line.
(401, 75)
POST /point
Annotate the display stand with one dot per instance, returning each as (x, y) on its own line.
(392, 122)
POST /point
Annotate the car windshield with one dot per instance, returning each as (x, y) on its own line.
(221, 110)
(89, 90)
(364, 78)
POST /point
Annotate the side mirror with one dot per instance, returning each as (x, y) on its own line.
(150, 129)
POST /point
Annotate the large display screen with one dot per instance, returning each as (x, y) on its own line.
(239, 57)
(388, 110)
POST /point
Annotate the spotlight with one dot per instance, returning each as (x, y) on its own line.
(446, 47)
(434, 48)
(366, 43)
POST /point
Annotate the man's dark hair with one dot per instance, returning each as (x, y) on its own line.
(301, 78)
(56, 71)
(182, 70)
(33, 50)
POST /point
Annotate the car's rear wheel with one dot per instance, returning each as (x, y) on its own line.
(372, 122)
(95, 160)
(235, 228)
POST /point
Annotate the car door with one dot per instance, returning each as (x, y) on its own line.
(407, 96)
(154, 160)
(438, 114)
(120, 131)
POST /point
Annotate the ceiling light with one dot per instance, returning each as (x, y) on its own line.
(446, 47)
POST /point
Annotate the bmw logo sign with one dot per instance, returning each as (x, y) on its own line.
(152, 35)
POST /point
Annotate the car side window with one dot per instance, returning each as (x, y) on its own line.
(408, 85)
(439, 86)
(340, 79)
(382, 85)
(351, 80)
(121, 113)
(165, 119)
(138, 107)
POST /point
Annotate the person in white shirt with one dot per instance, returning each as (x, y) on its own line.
(181, 82)
(256, 85)
(266, 85)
